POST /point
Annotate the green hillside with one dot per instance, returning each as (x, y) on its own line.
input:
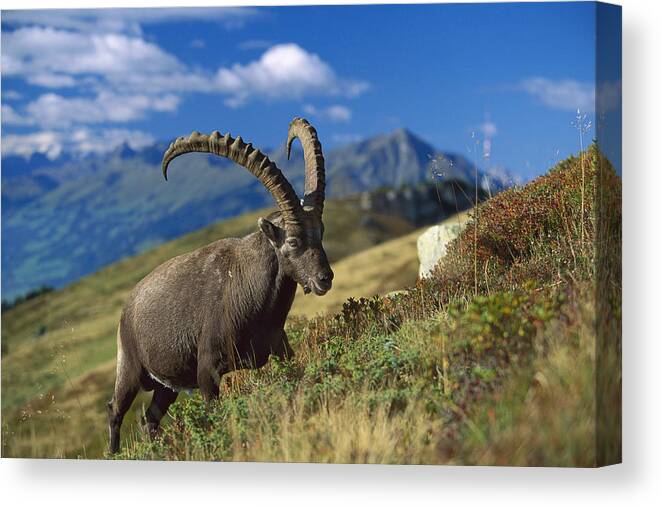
(68, 219)
(492, 360)
(63, 343)
(379, 270)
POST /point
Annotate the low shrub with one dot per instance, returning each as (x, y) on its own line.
(447, 371)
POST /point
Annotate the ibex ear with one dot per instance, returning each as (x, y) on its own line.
(274, 233)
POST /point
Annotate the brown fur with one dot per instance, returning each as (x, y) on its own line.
(216, 309)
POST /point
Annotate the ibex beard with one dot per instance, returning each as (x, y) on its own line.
(223, 307)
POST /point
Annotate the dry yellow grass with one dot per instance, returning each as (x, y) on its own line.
(379, 270)
(69, 421)
(543, 414)
(59, 348)
(350, 432)
(546, 413)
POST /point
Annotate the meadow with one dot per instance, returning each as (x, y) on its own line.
(494, 359)
(58, 349)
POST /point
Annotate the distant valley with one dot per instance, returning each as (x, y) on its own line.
(63, 219)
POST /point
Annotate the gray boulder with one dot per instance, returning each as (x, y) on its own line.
(432, 244)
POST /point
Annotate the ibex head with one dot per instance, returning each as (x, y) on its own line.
(299, 245)
(297, 230)
(300, 251)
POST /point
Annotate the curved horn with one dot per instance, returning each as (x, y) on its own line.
(315, 172)
(245, 155)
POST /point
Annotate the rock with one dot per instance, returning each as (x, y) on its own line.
(432, 244)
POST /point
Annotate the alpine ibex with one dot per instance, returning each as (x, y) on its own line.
(223, 307)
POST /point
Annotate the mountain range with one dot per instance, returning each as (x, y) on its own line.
(65, 218)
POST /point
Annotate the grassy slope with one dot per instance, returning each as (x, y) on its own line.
(491, 361)
(62, 344)
(378, 270)
(434, 375)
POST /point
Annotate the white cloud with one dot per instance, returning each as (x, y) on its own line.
(335, 113)
(338, 113)
(11, 117)
(283, 71)
(88, 141)
(44, 56)
(82, 141)
(112, 74)
(54, 111)
(50, 80)
(47, 142)
(567, 94)
(34, 51)
(124, 20)
(11, 95)
(488, 129)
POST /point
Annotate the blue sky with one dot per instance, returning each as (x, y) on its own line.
(510, 75)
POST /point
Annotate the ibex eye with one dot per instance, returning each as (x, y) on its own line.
(293, 243)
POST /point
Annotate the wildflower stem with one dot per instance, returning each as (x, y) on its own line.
(582, 192)
(583, 125)
(475, 220)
